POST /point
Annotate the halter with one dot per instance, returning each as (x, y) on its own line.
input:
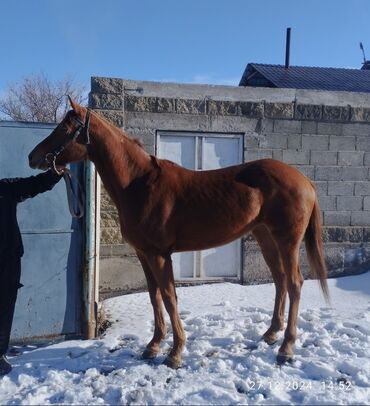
(51, 157)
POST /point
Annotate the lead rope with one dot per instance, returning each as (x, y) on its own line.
(73, 195)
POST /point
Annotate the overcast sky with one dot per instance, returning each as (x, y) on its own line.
(193, 41)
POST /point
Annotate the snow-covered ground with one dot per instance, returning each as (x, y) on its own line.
(224, 362)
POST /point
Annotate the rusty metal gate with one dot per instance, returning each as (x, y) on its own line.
(50, 303)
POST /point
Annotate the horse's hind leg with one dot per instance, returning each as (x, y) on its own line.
(160, 328)
(161, 266)
(289, 252)
(273, 260)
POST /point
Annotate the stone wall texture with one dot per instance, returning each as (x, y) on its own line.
(326, 135)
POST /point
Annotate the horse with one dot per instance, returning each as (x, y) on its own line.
(164, 208)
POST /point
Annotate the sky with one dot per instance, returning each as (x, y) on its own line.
(186, 41)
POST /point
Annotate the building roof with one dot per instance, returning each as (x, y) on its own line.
(304, 77)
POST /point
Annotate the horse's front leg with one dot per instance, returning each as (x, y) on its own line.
(160, 328)
(161, 266)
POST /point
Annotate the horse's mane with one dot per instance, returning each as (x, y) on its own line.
(137, 142)
(120, 131)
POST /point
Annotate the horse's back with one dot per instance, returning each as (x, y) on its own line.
(271, 173)
(267, 175)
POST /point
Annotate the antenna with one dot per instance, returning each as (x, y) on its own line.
(363, 52)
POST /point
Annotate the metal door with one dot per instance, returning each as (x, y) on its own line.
(203, 152)
(49, 304)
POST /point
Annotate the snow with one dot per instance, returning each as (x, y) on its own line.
(224, 361)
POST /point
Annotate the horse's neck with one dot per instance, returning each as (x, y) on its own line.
(118, 159)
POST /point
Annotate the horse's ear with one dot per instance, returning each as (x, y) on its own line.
(73, 104)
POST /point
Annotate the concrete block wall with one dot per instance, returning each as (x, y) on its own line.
(324, 134)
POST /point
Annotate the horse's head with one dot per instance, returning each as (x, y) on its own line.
(67, 143)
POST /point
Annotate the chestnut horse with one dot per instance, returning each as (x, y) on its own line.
(164, 208)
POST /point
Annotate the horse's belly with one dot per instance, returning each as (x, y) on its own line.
(210, 237)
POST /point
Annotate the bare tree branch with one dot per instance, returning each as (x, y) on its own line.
(36, 98)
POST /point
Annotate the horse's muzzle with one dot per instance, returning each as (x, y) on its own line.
(34, 163)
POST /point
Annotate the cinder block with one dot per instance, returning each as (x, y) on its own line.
(254, 154)
(277, 154)
(109, 219)
(240, 124)
(334, 258)
(367, 159)
(360, 218)
(255, 268)
(363, 143)
(120, 275)
(320, 157)
(367, 203)
(316, 142)
(350, 158)
(186, 106)
(223, 107)
(168, 121)
(337, 143)
(337, 218)
(336, 113)
(356, 129)
(296, 157)
(106, 85)
(274, 141)
(250, 109)
(105, 101)
(321, 188)
(327, 203)
(308, 112)
(287, 126)
(111, 235)
(265, 125)
(362, 188)
(349, 203)
(140, 104)
(360, 114)
(354, 173)
(328, 173)
(343, 234)
(329, 128)
(309, 127)
(295, 141)
(251, 141)
(166, 105)
(340, 188)
(307, 170)
(279, 110)
(114, 117)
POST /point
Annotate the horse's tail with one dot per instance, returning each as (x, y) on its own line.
(314, 249)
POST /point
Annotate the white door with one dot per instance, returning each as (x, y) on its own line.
(203, 152)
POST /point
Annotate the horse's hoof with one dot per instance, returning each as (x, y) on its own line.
(171, 362)
(269, 339)
(149, 354)
(282, 358)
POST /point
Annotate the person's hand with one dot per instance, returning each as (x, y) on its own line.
(60, 169)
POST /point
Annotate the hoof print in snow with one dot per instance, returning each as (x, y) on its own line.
(251, 347)
(114, 349)
(283, 359)
(211, 353)
(106, 370)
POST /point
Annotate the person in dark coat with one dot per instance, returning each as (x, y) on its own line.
(12, 192)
